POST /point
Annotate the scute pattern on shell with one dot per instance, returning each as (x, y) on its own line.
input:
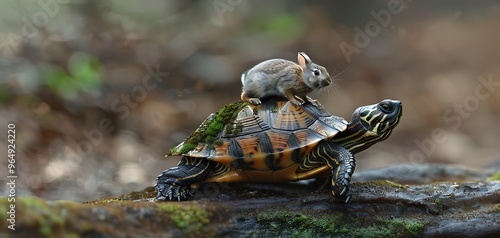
(273, 135)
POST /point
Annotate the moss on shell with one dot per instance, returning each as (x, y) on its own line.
(235, 129)
(188, 147)
(209, 132)
(218, 142)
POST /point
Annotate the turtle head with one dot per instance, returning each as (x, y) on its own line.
(371, 124)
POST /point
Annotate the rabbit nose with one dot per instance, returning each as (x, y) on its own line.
(326, 82)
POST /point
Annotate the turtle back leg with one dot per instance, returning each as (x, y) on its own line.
(175, 183)
(341, 162)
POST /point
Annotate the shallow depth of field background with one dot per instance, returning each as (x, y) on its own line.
(100, 90)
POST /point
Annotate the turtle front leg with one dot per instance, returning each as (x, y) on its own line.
(175, 183)
(342, 163)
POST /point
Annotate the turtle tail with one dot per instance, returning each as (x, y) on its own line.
(175, 183)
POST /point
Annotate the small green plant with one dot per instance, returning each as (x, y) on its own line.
(83, 76)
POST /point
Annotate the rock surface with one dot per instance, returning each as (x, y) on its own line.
(379, 208)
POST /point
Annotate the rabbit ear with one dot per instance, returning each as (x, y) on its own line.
(303, 59)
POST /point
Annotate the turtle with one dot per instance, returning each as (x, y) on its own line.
(276, 141)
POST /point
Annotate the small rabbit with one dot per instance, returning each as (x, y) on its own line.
(279, 77)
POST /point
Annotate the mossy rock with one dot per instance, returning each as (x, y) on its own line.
(379, 208)
(296, 224)
(190, 218)
(113, 217)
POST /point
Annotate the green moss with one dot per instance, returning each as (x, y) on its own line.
(109, 217)
(414, 227)
(255, 109)
(297, 224)
(3, 208)
(495, 208)
(49, 220)
(386, 183)
(104, 201)
(172, 151)
(438, 203)
(218, 142)
(187, 147)
(236, 128)
(189, 218)
(148, 192)
(209, 131)
(239, 127)
(395, 227)
(369, 232)
(47, 217)
(494, 177)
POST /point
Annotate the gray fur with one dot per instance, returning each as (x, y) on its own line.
(275, 77)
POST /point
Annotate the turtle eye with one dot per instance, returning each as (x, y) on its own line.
(316, 72)
(385, 107)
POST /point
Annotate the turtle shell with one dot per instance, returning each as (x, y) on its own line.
(268, 137)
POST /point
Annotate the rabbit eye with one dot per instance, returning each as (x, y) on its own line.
(316, 72)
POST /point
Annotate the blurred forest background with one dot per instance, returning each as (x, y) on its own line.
(100, 90)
